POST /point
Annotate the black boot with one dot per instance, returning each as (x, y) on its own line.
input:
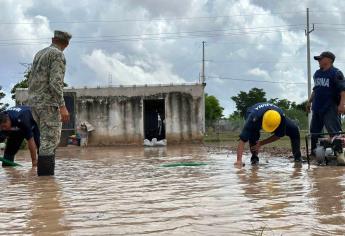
(298, 158)
(8, 158)
(45, 165)
(254, 160)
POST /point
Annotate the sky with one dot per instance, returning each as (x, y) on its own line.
(249, 43)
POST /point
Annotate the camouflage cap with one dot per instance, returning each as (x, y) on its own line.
(62, 35)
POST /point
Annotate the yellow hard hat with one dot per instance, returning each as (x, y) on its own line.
(271, 121)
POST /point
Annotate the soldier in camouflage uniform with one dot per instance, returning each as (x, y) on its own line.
(46, 83)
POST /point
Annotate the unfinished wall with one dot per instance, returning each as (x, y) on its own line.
(117, 120)
(184, 121)
(117, 112)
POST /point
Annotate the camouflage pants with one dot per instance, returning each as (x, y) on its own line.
(48, 120)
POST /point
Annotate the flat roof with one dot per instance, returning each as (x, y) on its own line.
(131, 86)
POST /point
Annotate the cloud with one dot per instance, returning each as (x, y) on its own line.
(259, 73)
(162, 7)
(138, 73)
(249, 39)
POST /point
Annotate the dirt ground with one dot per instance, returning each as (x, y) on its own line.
(281, 147)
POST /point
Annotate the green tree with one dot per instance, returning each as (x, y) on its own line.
(245, 100)
(20, 84)
(235, 116)
(302, 106)
(293, 110)
(213, 110)
(3, 106)
(282, 103)
(23, 84)
(299, 117)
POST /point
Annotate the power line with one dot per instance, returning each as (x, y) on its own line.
(265, 61)
(331, 24)
(269, 62)
(216, 43)
(116, 40)
(153, 19)
(255, 61)
(165, 33)
(332, 29)
(333, 11)
(256, 81)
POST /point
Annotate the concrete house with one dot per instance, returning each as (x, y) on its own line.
(129, 114)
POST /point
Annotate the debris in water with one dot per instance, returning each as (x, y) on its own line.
(155, 143)
(10, 163)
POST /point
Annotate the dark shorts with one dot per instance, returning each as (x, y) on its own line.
(329, 119)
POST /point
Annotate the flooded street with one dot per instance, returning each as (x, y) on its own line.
(127, 191)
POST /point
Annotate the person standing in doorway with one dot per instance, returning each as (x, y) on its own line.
(46, 83)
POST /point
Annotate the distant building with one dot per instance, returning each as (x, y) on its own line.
(129, 114)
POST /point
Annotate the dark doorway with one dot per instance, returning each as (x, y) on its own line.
(69, 128)
(154, 119)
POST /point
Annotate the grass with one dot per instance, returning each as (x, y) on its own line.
(234, 137)
(230, 140)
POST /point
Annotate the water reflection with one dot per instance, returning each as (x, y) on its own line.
(265, 195)
(126, 191)
(31, 204)
(328, 194)
(47, 213)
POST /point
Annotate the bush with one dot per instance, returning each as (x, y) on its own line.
(299, 116)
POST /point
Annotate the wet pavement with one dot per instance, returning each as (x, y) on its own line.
(126, 191)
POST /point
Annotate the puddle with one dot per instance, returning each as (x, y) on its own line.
(126, 191)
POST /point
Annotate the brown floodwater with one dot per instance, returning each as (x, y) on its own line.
(126, 191)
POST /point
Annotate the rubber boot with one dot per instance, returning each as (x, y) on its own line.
(9, 158)
(254, 160)
(45, 165)
(341, 159)
(298, 158)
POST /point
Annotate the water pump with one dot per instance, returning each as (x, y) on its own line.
(330, 151)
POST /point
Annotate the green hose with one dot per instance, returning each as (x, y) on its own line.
(177, 164)
(9, 163)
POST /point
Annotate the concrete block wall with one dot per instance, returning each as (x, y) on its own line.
(117, 112)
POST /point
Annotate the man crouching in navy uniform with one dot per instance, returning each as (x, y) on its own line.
(271, 119)
(17, 124)
(328, 98)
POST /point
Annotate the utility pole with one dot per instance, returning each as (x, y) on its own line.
(203, 63)
(307, 33)
(203, 85)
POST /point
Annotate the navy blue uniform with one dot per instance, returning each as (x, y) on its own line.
(327, 88)
(253, 125)
(23, 127)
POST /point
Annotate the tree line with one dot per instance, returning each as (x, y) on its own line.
(213, 109)
(244, 100)
(3, 105)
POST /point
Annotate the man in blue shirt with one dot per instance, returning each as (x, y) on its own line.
(327, 100)
(17, 124)
(271, 119)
